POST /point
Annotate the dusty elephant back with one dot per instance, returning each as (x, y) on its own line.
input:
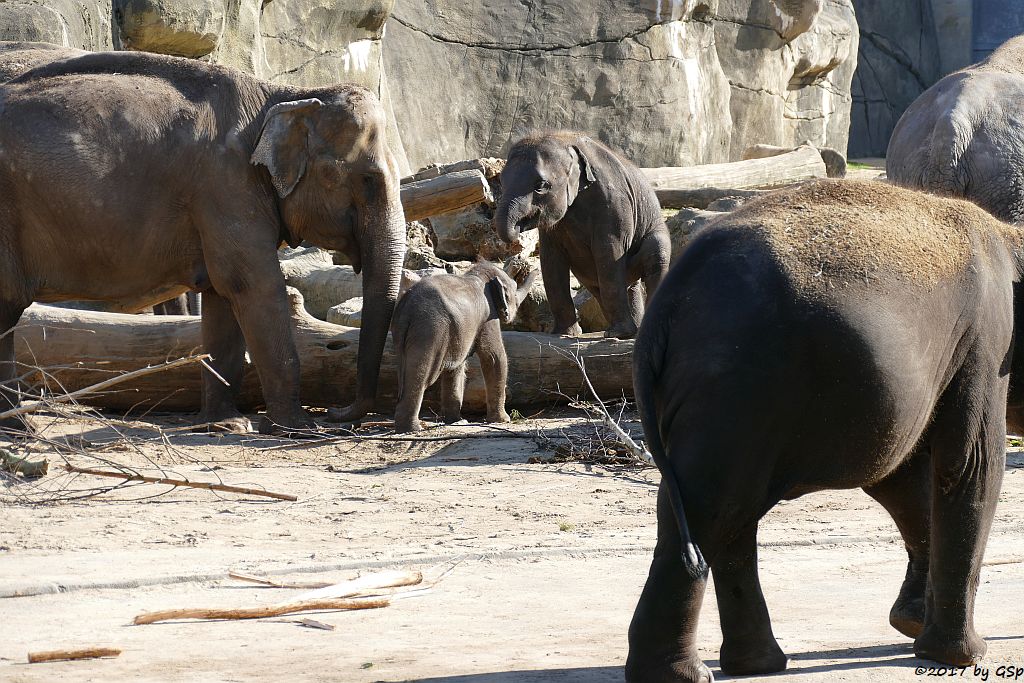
(830, 233)
(17, 58)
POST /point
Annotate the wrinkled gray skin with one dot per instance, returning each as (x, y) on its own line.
(964, 136)
(598, 217)
(439, 323)
(134, 177)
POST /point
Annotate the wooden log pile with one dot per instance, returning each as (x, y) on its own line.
(80, 348)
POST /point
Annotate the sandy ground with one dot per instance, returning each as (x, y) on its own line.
(548, 559)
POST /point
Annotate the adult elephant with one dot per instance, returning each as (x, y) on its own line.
(964, 136)
(863, 336)
(135, 177)
(597, 216)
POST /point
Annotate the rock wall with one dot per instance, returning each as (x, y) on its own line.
(653, 78)
(899, 59)
(83, 24)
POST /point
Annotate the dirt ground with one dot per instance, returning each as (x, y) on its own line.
(546, 563)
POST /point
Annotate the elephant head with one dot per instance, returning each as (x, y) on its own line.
(505, 293)
(338, 188)
(540, 181)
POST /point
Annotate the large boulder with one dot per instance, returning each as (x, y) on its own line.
(186, 28)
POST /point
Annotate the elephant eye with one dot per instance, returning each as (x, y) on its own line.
(542, 186)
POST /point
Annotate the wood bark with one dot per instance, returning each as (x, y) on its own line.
(679, 187)
(65, 655)
(445, 194)
(81, 348)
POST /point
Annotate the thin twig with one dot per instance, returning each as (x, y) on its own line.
(181, 482)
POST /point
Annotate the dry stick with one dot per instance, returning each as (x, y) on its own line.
(308, 585)
(261, 612)
(638, 452)
(100, 386)
(182, 482)
(62, 655)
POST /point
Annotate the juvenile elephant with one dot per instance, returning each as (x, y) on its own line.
(135, 177)
(439, 323)
(862, 335)
(598, 217)
(962, 137)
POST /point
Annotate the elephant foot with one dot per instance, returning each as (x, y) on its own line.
(403, 426)
(223, 424)
(907, 616)
(690, 670)
(501, 416)
(626, 330)
(954, 649)
(752, 658)
(349, 413)
(907, 613)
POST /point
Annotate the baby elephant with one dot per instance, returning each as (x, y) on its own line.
(438, 324)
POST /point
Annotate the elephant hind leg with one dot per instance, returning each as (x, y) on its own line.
(10, 390)
(748, 644)
(906, 496)
(968, 446)
(453, 385)
(223, 340)
(416, 374)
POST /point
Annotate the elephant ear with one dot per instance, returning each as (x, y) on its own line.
(504, 297)
(581, 175)
(282, 146)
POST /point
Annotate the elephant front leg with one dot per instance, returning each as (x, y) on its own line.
(662, 634)
(748, 643)
(223, 340)
(968, 461)
(490, 349)
(554, 266)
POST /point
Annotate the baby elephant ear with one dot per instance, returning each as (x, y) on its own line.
(282, 145)
(503, 295)
(587, 176)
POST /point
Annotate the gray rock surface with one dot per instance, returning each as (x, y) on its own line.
(84, 24)
(648, 78)
(899, 59)
(186, 28)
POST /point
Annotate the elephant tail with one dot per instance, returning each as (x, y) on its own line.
(646, 367)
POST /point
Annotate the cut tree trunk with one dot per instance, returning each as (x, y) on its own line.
(697, 186)
(445, 194)
(80, 348)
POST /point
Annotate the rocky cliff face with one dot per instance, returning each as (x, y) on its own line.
(671, 82)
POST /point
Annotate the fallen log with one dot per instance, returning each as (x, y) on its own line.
(697, 186)
(445, 194)
(81, 348)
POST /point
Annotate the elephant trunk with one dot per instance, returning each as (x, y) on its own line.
(507, 217)
(382, 248)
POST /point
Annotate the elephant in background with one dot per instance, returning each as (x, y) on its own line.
(135, 177)
(18, 57)
(439, 323)
(597, 216)
(845, 370)
(964, 136)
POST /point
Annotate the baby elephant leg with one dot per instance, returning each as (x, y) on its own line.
(453, 384)
(494, 365)
(413, 382)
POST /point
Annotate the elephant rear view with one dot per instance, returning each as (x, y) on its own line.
(964, 136)
(439, 323)
(136, 177)
(862, 336)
